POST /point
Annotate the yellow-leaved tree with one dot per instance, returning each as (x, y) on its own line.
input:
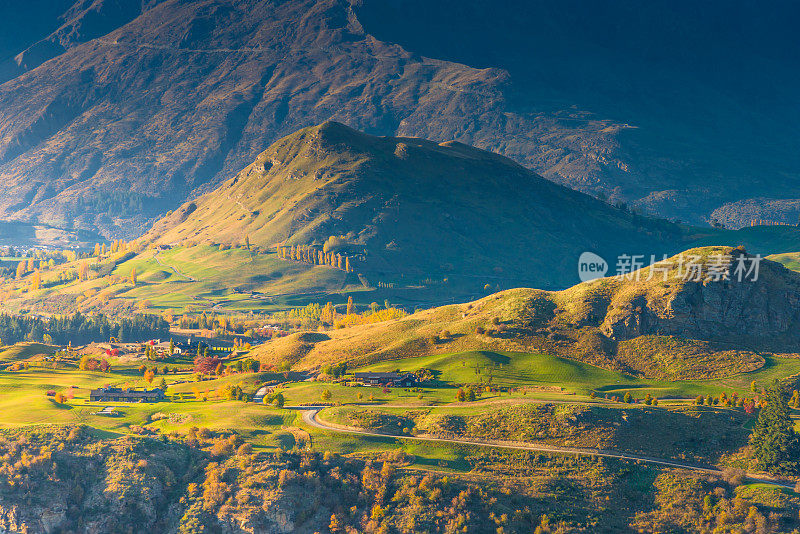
(36, 281)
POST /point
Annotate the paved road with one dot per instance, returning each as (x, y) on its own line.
(311, 419)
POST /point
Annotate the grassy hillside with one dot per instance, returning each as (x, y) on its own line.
(546, 374)
(506, 369)
(673, 329)
(411, 221)
(201, 277)
(762, 240)
(696, 433)
(790, 260)
(409, 209)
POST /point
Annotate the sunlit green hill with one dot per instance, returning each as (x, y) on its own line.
(673, 328)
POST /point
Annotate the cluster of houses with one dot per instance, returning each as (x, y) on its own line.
(162, 348)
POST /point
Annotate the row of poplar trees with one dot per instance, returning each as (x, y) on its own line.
(315, 256)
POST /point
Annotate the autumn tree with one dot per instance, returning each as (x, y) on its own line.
(83, 271)
(277, 400)
(351, 308)
(36, 281)
(206, 364)
(328, 314)
(133, 277)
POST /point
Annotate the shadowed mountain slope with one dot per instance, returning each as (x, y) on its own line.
(417, 208)
(114, 112)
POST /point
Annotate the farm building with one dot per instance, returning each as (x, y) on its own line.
(126, 395)
(162, 348)
(386, 379)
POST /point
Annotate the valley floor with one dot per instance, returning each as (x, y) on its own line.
(555, 442)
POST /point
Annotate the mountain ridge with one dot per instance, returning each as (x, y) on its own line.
(418, 207)
(117, 128)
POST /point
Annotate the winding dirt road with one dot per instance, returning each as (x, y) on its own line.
(311, 419)
(173, 269)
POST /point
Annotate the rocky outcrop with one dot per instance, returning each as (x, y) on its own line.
(31, 520)
(766, 308)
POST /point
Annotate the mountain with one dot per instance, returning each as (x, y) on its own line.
(46, 29)
(652, 327)
(113, 112)
(682, 82)
(411, 209)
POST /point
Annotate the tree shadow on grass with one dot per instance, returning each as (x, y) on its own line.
(286, 440)
(622, 387)
(271, 420)
(495, 357)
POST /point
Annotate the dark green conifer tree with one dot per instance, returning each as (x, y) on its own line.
(774, 441)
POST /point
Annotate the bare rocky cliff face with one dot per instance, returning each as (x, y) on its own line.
(767, 309)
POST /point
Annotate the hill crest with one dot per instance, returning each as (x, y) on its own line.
(417, 208)
(674, 329)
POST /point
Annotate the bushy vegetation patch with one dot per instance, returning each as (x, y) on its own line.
(694, 433)
(690, 504)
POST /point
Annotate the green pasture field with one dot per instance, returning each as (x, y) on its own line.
(510, 369)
